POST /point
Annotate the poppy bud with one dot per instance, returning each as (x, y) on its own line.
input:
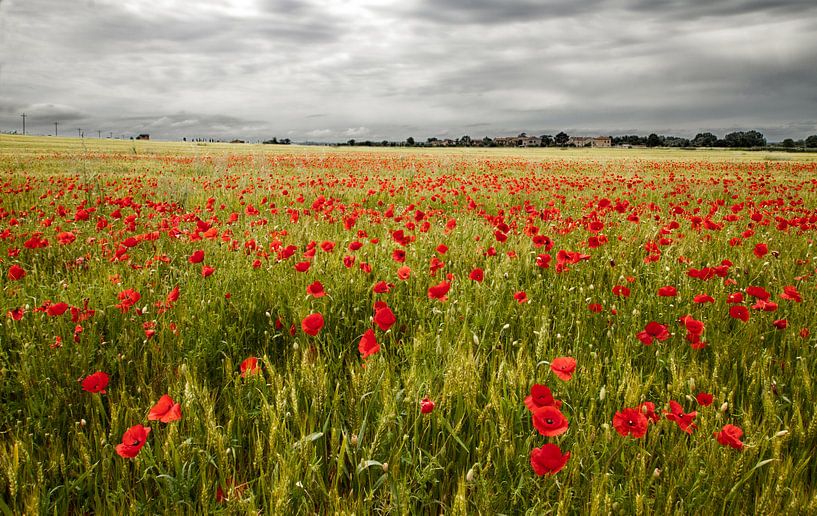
(385, 467)
(656, 473)
(353, 440)
(781, 433)
(82, 423)
(724, 407)
(602, 393)
(469, 477)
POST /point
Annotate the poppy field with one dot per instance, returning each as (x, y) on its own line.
(214, 328)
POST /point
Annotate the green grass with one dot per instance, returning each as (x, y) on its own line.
(319, 432)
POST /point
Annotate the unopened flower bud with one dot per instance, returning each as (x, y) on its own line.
(724, 407)
(781, 433)
(353, 440)
(385, 467)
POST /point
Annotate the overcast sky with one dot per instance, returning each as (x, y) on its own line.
(376, 69)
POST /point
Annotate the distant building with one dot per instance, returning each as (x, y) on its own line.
(237, 141)
(590, 141)
(518, 141)
(143, 137)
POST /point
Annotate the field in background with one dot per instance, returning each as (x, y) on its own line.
(580, 251)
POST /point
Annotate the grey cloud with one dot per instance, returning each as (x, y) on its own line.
(332, 71)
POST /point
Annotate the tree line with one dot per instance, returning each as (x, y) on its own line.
(737, 139)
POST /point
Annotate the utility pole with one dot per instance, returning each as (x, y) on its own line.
(79, 132)
(24, 123)
(99, 134)
(55, 128)
(110, 135)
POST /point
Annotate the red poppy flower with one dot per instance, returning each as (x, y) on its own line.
(312, 324)
(548, 460)
(595, 307)
(56, 309)
(781, 324)
(563, 367)
(315, 289)
(196, 257)
(540, 396)
(477, 275)
(132, 441)
(790, 293)
(676, 414)
(65, 237)
(426, 405)
(96, 382)
(128, 298)
(383, 316)
(521, 297)
(703, 298)
(549, 421)
(16, 273)
(16, 313)
(404, 272)
(621, 291)
(381, 287)
(761, 250)
(653, 331)
(368, 344)
(730, 436)
(543, 261)
(630, 421)
(739, 312)
(758, 292)
(207, 271)
(439, 291)
(302, 266)
(249, 366)
(327, 246)
(704, 399)
(668, 291)
(648, 409)
(165, 410)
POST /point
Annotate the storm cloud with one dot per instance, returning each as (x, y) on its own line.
(372, 69)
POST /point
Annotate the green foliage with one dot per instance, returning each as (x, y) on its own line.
(316, 431)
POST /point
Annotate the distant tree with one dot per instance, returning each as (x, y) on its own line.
(465, 140)
(430, 140)
(811, 141)
(704, 140)
(351, 143)
(653, 140)
(675, 141)
(788, 143)
(385, 143)
(410, 141)
(745, 139)
(487, 142)
(561, 139)
(547, 140)
(754, 139)
(522, 135)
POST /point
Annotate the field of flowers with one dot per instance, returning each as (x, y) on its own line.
(212, 328)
